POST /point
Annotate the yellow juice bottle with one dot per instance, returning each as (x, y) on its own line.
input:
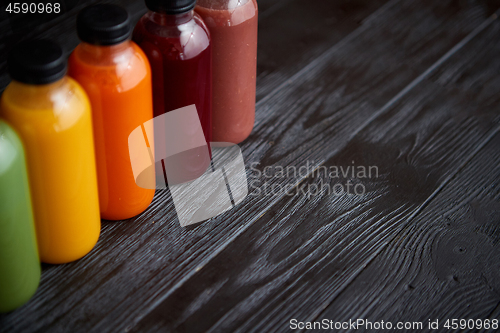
(51, 114)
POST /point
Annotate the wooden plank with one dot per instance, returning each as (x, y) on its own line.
(140, 262)
(449, 254)
(444, 264)
(293, 261)
(298, 31)
(268, 7)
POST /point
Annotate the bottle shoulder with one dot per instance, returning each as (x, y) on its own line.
(11, 148)
(226, 13)
(63, 96)
(173, 41)
(120, 71)
(105, 56)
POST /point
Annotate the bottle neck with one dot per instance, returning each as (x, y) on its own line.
(171, 19)
(104, 51)
(104, 55)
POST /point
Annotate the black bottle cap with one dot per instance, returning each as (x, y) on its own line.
(39, 61)
(103, 24)
(170, 7)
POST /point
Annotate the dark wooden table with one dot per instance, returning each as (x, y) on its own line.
(411, 87)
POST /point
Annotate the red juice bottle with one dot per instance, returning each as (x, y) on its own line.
(178, 46)
(233, 28)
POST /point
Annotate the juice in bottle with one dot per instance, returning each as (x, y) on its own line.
(116, 75)
(51, 114)
(233, 28)
(178, 46)
(19, 265)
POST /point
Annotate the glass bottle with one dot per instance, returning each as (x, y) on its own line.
(177, 44)
(19, 265)
(233, 28)
(51, 114)
(116, 75)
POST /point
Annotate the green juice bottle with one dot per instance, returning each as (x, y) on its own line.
(19, 264)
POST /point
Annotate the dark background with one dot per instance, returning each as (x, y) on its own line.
(60, 27)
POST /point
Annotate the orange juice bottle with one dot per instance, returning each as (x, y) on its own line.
(116, 75)
(51, 114)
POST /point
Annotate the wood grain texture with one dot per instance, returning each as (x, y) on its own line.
(302, 253)
(299, 31)
(276, 251)
(448, 254)
(442, 265)
(79, 297)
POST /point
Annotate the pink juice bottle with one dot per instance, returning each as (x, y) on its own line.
(233, 28)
